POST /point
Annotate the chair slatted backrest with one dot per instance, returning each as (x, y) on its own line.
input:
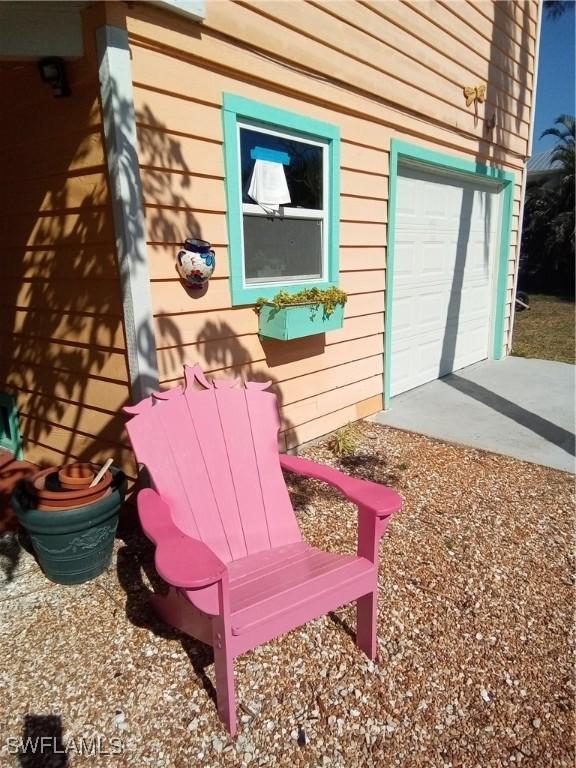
(212, 453)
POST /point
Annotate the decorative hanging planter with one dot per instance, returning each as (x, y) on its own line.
(196, 262)
(306, 313)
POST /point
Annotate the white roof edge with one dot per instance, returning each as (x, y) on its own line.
(192, 9)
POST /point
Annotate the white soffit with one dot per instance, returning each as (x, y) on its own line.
(31, 30)
(192, 9)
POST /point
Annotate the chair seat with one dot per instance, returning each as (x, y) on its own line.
(289, 579)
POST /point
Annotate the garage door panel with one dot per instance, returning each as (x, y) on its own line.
(426, 362)
(467, 350)
(405, 260)
(403, 314)
(476, 299)
(403, 371)
(430, 310)
(431, 206)
(427, 357)
(478, 258)
(415, 361)
(433, 260)
(407, 193)
(446, 239)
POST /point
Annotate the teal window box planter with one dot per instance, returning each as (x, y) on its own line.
(297, 320)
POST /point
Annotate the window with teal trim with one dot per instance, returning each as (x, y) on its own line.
(282, 186)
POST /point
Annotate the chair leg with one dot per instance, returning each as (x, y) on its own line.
(366, 621)
(224, 673)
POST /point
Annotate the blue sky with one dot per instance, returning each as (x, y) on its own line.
(556, 86)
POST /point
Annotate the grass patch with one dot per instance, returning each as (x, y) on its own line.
(546, 330)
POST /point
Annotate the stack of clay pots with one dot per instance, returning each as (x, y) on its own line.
(67, 487)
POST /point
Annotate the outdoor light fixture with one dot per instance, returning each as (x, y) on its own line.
(53, 72)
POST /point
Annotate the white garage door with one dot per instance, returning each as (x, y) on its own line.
(444, 259)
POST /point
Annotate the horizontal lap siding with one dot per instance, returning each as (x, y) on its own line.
(398, 27)
(400, 75)
(196, 112)
(62, 348)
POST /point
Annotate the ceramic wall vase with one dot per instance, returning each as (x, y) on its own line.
(196, 262)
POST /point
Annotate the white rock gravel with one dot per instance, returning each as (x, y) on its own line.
(475, 637)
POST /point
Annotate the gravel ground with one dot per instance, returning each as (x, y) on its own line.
(475, 624)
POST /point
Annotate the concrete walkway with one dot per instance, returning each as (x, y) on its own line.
(517, 407)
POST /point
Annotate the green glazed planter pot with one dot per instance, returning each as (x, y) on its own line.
(73, 545)
(294, 321)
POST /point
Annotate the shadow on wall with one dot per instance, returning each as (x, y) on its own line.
(62, 331)
(60, 318)
(62, 348)
(226, 355)
(505, 67)
(491, 147)
(63, 338)
(165, 191)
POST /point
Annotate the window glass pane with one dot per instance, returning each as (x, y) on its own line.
(303, 174)
(278, 248)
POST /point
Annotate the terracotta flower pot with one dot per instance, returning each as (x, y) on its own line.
(78, 475)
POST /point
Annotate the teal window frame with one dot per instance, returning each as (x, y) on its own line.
(13, 441)
(404, 151)
(237, 109)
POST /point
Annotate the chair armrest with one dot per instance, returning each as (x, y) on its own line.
(378, 499)
(180, 560)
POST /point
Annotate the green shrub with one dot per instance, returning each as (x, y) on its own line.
(344, 442)
(329, 298)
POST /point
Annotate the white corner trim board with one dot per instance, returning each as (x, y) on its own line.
(127, 206)
(193, 9)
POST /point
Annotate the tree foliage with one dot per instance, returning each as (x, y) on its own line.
(556, 8)
(548, 232)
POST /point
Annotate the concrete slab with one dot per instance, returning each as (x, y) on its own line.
(517, 407)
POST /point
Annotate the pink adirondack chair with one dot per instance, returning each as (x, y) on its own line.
(227, 540)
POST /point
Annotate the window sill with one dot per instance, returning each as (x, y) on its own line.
(294, 321)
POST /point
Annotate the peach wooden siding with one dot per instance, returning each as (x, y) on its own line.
(62, 350)
(400, 74)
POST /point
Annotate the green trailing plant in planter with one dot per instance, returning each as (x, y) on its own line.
(289, 316)
(329, 298)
